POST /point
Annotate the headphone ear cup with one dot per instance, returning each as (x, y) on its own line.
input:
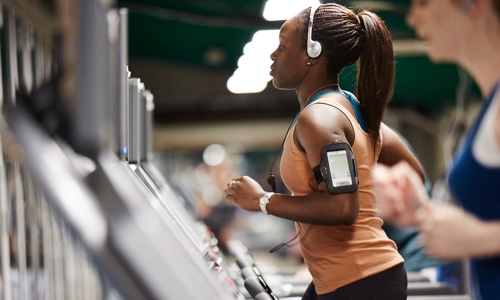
(314, 49)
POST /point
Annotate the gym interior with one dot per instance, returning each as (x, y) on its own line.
(121, 126)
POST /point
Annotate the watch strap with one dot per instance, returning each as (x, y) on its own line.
(264, 201)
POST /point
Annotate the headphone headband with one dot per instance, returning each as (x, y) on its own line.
(313, 47)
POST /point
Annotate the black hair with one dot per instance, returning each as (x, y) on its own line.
(347, 38)
(496, 6)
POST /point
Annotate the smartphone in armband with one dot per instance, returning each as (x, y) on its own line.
(338, 168)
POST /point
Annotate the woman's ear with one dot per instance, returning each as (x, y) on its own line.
(312, 61)
(473, 7)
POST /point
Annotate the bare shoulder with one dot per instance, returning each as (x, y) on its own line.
(324, 122)
(318, 125)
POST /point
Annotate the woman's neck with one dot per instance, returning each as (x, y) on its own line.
(486, 73)
(483, 64)
(305, 96)
(482, 60)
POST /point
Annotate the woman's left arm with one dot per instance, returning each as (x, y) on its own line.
(317, 126)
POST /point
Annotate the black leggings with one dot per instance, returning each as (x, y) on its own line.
(389, 284)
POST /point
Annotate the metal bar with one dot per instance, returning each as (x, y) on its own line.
(20, 232)
(48, 65)
(33, 227)
(68, 256)
(24, 49)
(91, 133)
(38, 59)
(1, 56)
(123, 76)
(147, 104)
(47, 251)
(11, 56)
(58, 261)
(83, 288)
(4, 219)
(135, 89)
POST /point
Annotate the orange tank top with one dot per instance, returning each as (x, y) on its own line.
(339, 255)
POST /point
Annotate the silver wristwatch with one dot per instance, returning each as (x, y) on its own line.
(264, 201)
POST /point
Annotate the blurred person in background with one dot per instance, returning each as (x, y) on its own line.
(220, 163)
(465, 32)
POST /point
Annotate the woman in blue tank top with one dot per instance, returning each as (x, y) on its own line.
(466, 32)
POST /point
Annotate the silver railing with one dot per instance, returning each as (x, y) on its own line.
(80, 219)
(41, 258)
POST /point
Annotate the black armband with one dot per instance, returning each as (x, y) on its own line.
(338, 168)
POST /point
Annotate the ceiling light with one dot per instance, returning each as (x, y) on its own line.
(214, 56)
(252, 74)
(275, 10)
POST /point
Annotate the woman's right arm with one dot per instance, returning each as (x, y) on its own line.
(398, 180)
(395, 149)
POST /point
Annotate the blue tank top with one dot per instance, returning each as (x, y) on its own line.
(477, 188)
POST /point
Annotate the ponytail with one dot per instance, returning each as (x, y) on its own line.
(348, 38)
(376, 72)
(496, 7)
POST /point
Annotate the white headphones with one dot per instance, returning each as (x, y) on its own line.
(313, 47)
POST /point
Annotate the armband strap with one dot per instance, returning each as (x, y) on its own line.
(317, 174)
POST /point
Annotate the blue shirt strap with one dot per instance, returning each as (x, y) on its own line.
(355, 107)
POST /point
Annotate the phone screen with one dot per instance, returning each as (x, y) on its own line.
(339, 168)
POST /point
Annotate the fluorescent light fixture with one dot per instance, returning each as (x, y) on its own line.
(252, 74)
(246, 83)
(276, 10)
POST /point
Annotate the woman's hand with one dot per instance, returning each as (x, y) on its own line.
(400, 193)
(449, 232)
(245, 193)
